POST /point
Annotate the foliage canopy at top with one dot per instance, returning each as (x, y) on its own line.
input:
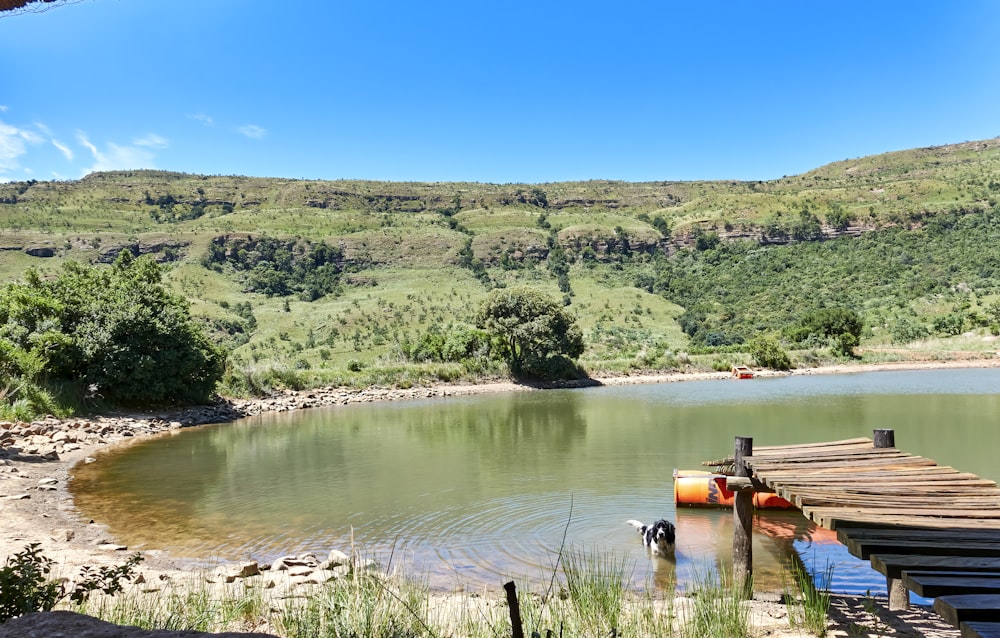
(536, 335)
(116, 330)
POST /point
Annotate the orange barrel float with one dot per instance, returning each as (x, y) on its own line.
(693, 488)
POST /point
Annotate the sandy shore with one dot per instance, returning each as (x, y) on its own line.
(38, 508)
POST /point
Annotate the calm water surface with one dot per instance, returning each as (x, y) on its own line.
(471, 491)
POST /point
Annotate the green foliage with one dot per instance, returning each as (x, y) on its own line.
(906, 330)
(279, 267)
(454, 343)
(842, 326)
(534, 334)
(742, 289)
(950, 324)
(768, 353)
(117, 330)
(24, 584)
(25, 587)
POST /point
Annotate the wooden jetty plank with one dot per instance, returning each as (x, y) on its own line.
(955, 534)
(937, 512)
(968, 607)
(891, 486)
(930, 473)
(841, 466)
(833, 518)
(826, 455)
(822, 445)
(893, 565)
(918, 496)
(934, 584)
(863, 549)
(977, 629)
(899, 501)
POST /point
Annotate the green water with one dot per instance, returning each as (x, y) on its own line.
(469, 491)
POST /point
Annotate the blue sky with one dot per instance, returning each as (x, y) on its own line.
(499, 92)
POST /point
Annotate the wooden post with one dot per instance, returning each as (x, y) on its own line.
(743, 522)
(515, 610)
(885, 438)
(899, 596)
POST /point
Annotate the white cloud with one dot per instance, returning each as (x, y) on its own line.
(116, 157)
(3, 108)
(204, 119)
(13, 144)
(65, 150)
(253, 131)
(151, 140)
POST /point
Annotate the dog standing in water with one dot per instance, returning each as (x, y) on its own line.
(659, 537)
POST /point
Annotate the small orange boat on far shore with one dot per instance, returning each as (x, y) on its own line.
(742, 372)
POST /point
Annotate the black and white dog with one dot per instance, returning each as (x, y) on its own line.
(658, 537)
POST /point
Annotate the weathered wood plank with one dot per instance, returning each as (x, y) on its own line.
(822, 445)
(889, 463)
(968, 608)
(833, 520)
(833, 474)
(932, 585)
(978, 629)
(936, 512)
(955, 534)
(826, 455)
(893, 565)
(893, 487)
(899, 502)
(863, 549)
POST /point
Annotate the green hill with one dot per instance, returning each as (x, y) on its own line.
(329, 282)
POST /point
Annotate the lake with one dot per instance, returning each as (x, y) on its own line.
(467, 492)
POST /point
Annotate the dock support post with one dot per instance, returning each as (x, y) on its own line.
(899, 596)
(743, 522)
(885, 438)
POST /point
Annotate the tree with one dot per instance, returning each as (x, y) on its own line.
(768, 353)
(118, 330)
(533, 332)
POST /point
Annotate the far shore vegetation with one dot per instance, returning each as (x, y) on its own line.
(156, 288)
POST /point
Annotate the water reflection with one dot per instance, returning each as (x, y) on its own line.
(472, 490)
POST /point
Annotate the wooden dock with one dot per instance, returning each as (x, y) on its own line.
(928, 528)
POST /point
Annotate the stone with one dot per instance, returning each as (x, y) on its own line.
(63, 535)
(112, 547)
(67, 623)
(337, 558)
(249, 569)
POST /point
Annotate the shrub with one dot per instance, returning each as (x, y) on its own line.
(25, 587)
(768, 353)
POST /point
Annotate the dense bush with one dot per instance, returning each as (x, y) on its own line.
(116, 330)
(279, 267)
(768, 353)
(532, 332)
(25, 586)
(737, 290)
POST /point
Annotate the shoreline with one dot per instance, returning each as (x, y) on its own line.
(38, 507)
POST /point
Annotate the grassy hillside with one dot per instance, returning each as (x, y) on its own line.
(325, 282)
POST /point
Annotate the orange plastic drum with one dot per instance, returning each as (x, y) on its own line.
(706, 489)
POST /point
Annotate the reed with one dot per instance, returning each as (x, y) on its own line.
(809, 609)
(718, 609)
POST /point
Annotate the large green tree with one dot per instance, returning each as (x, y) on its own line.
(117, 330)
(534, 333)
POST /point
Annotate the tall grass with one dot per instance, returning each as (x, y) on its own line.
(596, 582)
(810, 608)
(593, 601)
(718, 609)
